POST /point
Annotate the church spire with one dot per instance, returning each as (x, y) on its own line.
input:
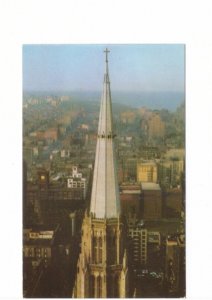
(106, 51)
(105, 201)
(102, 269)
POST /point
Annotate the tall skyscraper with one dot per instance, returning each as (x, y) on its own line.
(102, 269)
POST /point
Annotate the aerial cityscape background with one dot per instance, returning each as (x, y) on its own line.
(62, 87)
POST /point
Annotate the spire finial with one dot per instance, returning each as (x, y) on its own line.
(106, 52)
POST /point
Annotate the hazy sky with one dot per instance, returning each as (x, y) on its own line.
(81, 67)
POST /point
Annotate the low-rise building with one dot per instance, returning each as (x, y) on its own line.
(76, 181)
(65, 153)
(39, 242)
(153, 247)
(51, 134)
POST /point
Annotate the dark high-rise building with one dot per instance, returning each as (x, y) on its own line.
(175, 265)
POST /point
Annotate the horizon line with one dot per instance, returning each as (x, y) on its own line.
(123, 91)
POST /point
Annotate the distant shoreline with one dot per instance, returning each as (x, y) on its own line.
(152, 100)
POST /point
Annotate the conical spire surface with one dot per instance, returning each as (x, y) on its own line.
(105, 201)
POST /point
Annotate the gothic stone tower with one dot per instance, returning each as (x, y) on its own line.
(102, 269)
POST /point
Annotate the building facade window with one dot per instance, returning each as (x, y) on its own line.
(92, 286)
(100, 250)
(97, 250)
(99, 287)
(116, 286)
(111, 249)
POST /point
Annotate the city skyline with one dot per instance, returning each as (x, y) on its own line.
(114, 210)
(147, 68)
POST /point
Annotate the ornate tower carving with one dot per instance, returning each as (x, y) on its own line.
(102, 269)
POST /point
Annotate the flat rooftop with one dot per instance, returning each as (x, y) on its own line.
(150, 186)
(147, 163)
(128, 191)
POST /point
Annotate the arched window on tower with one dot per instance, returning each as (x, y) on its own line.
(100, 250)
(116, 286)
(111, 249)
(99, 287)
(97, 250)
(92, 286)
(109, 287)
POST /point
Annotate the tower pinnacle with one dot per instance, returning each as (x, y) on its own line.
(106, 77)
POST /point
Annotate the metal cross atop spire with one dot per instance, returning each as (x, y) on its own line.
(106, 52)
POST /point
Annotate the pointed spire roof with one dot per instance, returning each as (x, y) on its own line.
(105, 201)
